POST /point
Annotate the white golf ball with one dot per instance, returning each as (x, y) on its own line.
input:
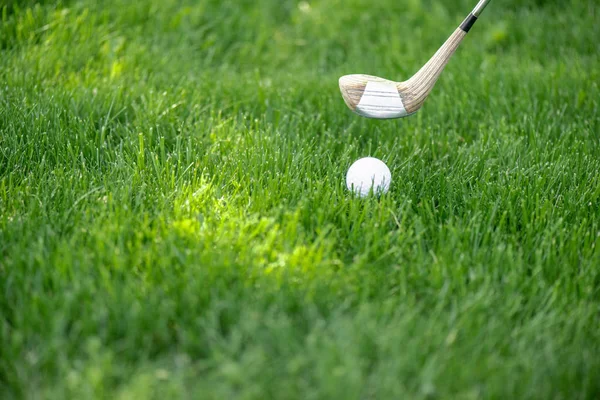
(368, 173)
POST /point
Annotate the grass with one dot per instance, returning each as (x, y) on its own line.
(174, 221)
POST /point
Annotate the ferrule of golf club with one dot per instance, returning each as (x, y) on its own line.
(374, 97)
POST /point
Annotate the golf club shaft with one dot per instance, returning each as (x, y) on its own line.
(480, 7)
(422, 82)
(470, 20)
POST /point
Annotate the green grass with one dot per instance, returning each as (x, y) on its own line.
(174, 221)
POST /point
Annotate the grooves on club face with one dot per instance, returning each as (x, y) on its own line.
(374, 97)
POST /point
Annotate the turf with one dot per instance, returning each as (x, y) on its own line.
(174, 221)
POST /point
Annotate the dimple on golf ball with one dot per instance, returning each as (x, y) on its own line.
(366, 174)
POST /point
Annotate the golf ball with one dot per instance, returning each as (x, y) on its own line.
(368, 173)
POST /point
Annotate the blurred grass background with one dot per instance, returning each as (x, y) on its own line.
(174, 222)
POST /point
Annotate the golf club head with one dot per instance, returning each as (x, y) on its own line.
(375, 97)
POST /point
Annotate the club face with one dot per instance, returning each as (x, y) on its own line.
(374, 97)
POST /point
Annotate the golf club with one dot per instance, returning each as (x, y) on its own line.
(375, 97)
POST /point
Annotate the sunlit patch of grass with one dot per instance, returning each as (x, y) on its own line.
(207, 221)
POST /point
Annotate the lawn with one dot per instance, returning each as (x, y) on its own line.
(174, 220)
